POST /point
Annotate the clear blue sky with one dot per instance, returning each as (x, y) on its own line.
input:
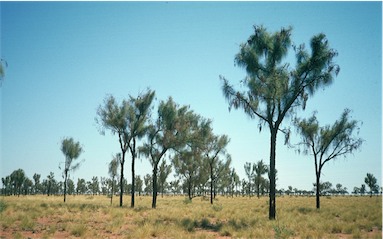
(65, 57)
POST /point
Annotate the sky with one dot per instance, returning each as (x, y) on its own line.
(64, 58)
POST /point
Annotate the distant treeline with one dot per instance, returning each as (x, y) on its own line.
(17, 183)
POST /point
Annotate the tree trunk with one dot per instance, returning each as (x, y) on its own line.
(189, 189)
(65, 182)
(133, 151)
(317, 190)
(133, 184)
(272, 202)
(211, 184)
(122, 178)
(111, 195)
(154, 200)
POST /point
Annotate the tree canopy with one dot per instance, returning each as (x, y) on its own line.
(275, 89)
(71, 151)
(328, 142)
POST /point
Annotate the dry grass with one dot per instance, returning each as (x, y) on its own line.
(93, 217)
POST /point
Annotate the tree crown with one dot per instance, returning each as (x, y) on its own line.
(274, 89)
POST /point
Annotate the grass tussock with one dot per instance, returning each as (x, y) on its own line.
(176, 217)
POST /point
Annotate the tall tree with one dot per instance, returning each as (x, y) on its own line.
(164, 172)
(112, 170)
(259, 170)
(70, 190)
(128, 121)
(187, 165)
(138, 114)
(139, 183)
(371, 182)
(7, 183)
(95, 186)
(213, 147)
(234, 182)
(166, 133)
(113, 117)
(187, 162)
(36, 178)
(17, 178)
(27, 186)
(250, 174)
(148, 184)
(81, 186)
(328, 142)
(71, 151)
(51, 183)
(274, 88)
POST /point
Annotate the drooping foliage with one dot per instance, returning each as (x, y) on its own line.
(275, 89)
(128, 121)
(328, 142)
(166, 133)
(112, 170)
(371, 182)
(71, 151)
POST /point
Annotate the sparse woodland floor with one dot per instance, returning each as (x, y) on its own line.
(175, 217)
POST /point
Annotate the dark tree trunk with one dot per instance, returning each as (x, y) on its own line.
(317, 190)
(49, 188)
(133, 151)
(211, 184)
(272, 202)
(154, 200)
(65, 181)
(122, 178)
(189, 189)
(111, 195)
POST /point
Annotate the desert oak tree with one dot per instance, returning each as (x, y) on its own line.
(166, 133)
(328, 142)
(128, 121)
(71, 151)
(275, 89)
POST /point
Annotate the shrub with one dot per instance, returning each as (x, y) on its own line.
(3, 206)
(78, 230)
(187, 201)
(188, 224)
(217, 207)
(282, 232)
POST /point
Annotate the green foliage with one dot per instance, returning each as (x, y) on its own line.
(128, 121)
(371, 182)
(187, 201)
(18, 177)
(217, 207)
(27, 224)
(71, 151)
(282, 231)
(274, 89)
(3, 206)
(188, 224)
(327, 142)
(78, 230)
